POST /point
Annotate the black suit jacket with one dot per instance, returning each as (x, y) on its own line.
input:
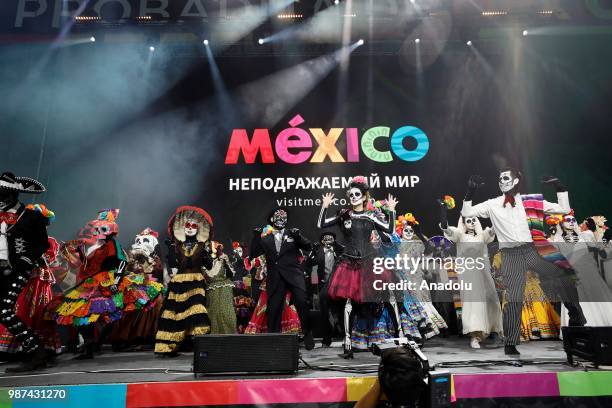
(285, 264)
(27, 239)
(317, 258)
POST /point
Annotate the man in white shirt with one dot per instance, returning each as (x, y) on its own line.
(519, 255)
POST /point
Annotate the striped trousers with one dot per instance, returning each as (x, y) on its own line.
(557, 283)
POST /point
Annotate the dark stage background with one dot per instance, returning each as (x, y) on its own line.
(120, 128)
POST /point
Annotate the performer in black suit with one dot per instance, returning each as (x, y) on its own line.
(322, 261)
(23, 240)
(281, 247)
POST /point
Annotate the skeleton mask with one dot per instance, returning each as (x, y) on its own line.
(238, 251)
(279, 219)
(355, 196)
(569, 223)
(348, 223)
(327, 241)
(470, 223)
(407, 232)
(507, 181)
(103, 229)
(191, 228)
(144, 244)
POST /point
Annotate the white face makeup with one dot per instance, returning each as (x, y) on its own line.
(407, 232)
(144, 244)
(507, 181)
(279, 219)
(470, 223)
(348, 223)
(238, 251)
(355, 196)
(191, 228)
(327, 240)
(101, 232)
(569, 223)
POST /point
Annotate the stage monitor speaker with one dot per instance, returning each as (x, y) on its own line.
(245, 353)
(589, 343)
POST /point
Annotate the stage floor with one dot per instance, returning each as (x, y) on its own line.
(134, 367)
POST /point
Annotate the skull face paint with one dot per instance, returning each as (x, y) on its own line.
(347, 223)
(569, 223)
(279, 219)
(103, 229)
(144, 244)
(407, 232)
(327, 241)
(470, 223)
(355, 196)
(238, 251)
(507, 181)
(191, 228)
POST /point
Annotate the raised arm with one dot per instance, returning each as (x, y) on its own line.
(562, 206)
(387, 225)
(478, 210)
(325, 220)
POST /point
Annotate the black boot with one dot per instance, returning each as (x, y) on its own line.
(309, 341)
(33, 361)
(347, 354)
(326, 342)
(511, 351)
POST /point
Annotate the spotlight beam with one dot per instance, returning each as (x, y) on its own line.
(244, 20)
(269, 99)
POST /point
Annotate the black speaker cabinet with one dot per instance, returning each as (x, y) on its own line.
(589, 343)
(245, 353)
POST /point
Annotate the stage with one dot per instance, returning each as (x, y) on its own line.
(139, 379)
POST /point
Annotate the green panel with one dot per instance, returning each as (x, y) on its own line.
(585, 384)
(5, 401)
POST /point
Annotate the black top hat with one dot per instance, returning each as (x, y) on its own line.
(8, 181)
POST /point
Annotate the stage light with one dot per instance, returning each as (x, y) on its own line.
(469, 43)
(92, 39)
(151, 48)
(418, 40)
(525, 32)
(413, 1)
(336, 2)
(260, 41)
(494, 13)
(205, 42)
(360, 42)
